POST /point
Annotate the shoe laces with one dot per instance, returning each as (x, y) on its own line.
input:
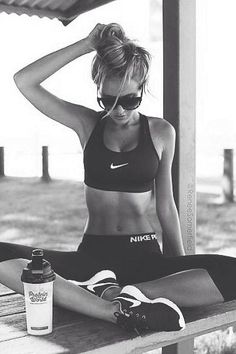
(131, 321)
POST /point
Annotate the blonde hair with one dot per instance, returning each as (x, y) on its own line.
(118, 56)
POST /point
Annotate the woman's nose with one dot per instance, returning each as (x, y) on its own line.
(119, 109)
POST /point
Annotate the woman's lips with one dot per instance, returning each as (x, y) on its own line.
(120, 116)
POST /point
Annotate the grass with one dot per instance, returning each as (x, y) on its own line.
(53, 215)
(35, 213)
(216, 225)
(50, 214)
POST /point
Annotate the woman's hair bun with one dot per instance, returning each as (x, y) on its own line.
(119, 56)
(111, 47)
(113, 31)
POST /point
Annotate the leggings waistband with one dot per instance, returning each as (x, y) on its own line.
(145, 241)
(130, 238)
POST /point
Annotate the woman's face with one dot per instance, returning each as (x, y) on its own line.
(110, 89)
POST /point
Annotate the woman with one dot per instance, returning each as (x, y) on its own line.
(125, 153)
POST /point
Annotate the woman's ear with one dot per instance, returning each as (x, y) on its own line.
(141, 87)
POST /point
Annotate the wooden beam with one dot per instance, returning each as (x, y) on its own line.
(187, 122)
(179, 38)
(2, 167)
(228, 176)
(45, 172)
(171, 77)
(179, 107)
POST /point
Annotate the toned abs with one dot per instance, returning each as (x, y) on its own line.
(113, 213)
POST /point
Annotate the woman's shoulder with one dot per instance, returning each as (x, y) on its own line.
(162, 133)
(160, 127)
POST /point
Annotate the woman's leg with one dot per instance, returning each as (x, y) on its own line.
(188, 288)
(66, 294)
(188, 281)
(191, 280)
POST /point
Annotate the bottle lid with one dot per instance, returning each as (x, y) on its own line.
(38, 270)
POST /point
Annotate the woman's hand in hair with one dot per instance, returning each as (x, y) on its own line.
(94, 36)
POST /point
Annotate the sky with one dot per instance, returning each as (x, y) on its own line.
(23, 129)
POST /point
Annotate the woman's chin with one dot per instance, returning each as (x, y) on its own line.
(119, 118)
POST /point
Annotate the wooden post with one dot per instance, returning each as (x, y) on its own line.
(179, 38)
(228, 176)
(2, 172)
(179, 107)
(45, 173)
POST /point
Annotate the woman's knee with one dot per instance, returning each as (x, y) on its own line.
(14, 262)
(10, 273)
(222, 270)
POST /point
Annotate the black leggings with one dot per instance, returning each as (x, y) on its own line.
(133, 258)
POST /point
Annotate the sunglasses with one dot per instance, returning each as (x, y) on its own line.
(127, 102)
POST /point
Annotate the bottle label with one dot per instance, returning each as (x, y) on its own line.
(39, 306)
(38, 296)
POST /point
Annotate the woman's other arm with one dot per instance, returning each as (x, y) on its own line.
(29, 79)
(165, 204)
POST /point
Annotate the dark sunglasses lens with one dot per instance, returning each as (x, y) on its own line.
(128, 103)
(106, 103)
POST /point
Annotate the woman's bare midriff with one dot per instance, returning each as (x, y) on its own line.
(117, 213)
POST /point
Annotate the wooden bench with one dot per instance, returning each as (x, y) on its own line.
(74, 333)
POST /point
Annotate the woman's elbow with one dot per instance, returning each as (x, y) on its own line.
(20, 80)
(17, 79)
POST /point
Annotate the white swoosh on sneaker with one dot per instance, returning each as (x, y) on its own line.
(117, 166)
(134, 302)
(93, 286)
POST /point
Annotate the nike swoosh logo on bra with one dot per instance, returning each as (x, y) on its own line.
(134, 302)
(117, 166)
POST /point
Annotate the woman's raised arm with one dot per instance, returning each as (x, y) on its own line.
(29, 79)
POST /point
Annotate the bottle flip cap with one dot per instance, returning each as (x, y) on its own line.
(38, 270)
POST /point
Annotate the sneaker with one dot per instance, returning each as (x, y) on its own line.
(137, 312)
(99, 283)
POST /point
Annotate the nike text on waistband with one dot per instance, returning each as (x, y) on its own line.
(147, 237)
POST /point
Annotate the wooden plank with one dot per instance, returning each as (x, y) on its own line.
(4, 290)
(75, 333)
(11, 304)
(13, 317)
(180, 348)
(206, 312)
(83, 335)
(12, 326)
(106, 339)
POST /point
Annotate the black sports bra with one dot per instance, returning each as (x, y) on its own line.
(126, 171)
